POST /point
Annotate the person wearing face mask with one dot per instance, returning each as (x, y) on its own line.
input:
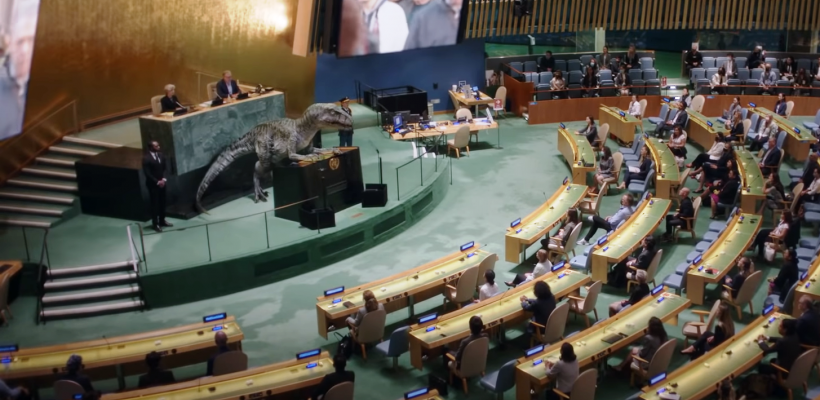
(780, 105)
(605, 59)
(755, 58)
(730, 66)
(768, 81)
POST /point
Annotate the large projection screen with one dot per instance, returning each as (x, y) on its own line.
(18, 24)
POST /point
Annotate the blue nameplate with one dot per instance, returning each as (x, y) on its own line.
(5, 360)
(562, 126)
(768, 309)
(603, 239)
(214, 317)
(558, 266)
(535, 350)
(430, 329)
(709, 123)
(416, 393)
(428, 318)
(606, 248)
(622, 113)
(333, 291)
(657, 290)
(537, 362)
(515, 223)
(665, 100)
(697, 259)
(9, 348)
(657, 378)
(660, 299)
(796, 129)
(339, 300)
(753, 105)
(561, 275)
(566, 179)
(309, 353)
(467, 245)
(312, 365)
(217, 328)
(772, 319)
(519, 230)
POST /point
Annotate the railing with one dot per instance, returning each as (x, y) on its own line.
(424, 175)
(256, 228)
(19, 151)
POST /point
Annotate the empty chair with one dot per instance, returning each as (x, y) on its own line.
(575, 77)
(661, 118)
(473, 361)
(230, 362)
(464, 113)
(638, 87)
(693, 330)
(156, 107)
(744, 295)
(545, 77)
(702, 86)
(785, 306)
(733, 86)
(658, 364)
(650, 74)
(815, 89)
(608, 89)
(783, 86)
(797, 376)
(461, 140)
(789, 108)
(584, 387)
(516, 69)
(804, 63)
(555, 326)
(698, 102)
(647, 63)
(719, 61)
(756, 73)
(635, 74)
(676, 282)
(709, 62)
(542, 93)
(574, 90)
(772, 61)
(464, 289)
(755, 121)
(696, 73)
(560, 65)
(711, 72)
(585, 59)
(591, 205)
(638, 187)
(340, 391)
(813, 124)
(605, 75)
(501, 94)
(744, 74)
(585, 305)
(397, 345)
(530, 66)
(500, 381)
(528, 76)
(66, 390)
(574, 65)
(370, 330)
(653, 87)
(741, 63)
(650, 272)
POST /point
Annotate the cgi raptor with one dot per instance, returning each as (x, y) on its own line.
(278, 140)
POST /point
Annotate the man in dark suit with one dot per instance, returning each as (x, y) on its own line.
(730, 66)
(808, 323)
(619, 275)
(681, 119)
(808, 171)
(787, 347)
(221, 340)
(547, 62)
(476, 332)
(154, 166)
(334, 378)
(73, 367)
(694, 59)
(170, 102)
(686, 210)
(156, 376)
(227, 87)
(771, 158)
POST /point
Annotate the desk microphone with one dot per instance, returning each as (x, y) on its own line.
(106, 342)
(180, 104)
(545, 196)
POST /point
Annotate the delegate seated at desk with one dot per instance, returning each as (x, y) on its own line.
(73, 367)
(476, 332)
(156, 376)
(170, 102)
(808, 323)
(221, 340)
(787, 347)
(227, 87)
(334, 378)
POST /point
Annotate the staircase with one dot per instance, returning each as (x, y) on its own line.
(91, 290)
(44, 193)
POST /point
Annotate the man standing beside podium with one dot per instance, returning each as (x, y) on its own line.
(227, 87)
(153, 166)
(346, 135)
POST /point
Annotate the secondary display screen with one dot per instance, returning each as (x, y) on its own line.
(18, 24)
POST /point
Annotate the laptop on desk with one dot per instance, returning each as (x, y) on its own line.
(217, 102)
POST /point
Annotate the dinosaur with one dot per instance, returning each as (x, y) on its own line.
(278, 140)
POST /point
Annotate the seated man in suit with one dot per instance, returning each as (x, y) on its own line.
(334, 378)
(808, 323)
(221, 340)
(156, 376)
(730, 66)
(680, 119)
(787, 347)
(170, 102)
(476, 332)
(694, 59)
(619, 275)
(227, 87)
(72, 373)
(771, 158)
(686, 210)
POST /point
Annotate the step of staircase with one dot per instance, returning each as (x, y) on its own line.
(89, 310)
(63, 148)
(51, 172)
(21, 220)
(36, 196)
(91, 269)
(42, 183)
(117, 278)
(25, 207)
(58, 160)
(91, 295)
(90, 142)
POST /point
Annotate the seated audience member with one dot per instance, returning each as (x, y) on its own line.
(787, 347)
(593, 63)
(590, 82)
(622, 81)
(768, 128)
(694, 59)
(634, 107)
(724, 329)
(802, 80)
(547, 62)
(745, 269)
(476, 332)
(590, 131)
(810, 193)
(227, 87)
(621, 272)
(560, 239)
(72, 373)
(650, 343)
(755, 59)
(680, 119)
(808, 323)
(169, 102)
(713, 171)
(724, 193)
(542, 267)
(685, 210)
(730, 65)
(370, 305)
(18, 393)
(769, 235)
(631, 59)
(786, 277)
(156, 376)
(615, 65)
(340, 375)
(221, 340)
(564, 372)
(639, 291)
(789, 68)
(558, 84)
(714, 154)
(771, 158)
(541, 306)
(489, 288)
(605, 166)
(611, 222)
(735, 107)
(435, 25)
(768, 81)
(677, 145)
(780, 105)
(719, 81)
(644, 166)
(808, 171)
(605, 59)
(685, 98)
(775, 193)
(735, 126)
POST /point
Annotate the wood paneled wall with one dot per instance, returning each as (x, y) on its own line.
(492, 18)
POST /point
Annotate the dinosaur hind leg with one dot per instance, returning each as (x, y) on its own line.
(259, 171)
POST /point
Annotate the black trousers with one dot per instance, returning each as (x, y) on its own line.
(672, 221)
(699, 160)
(758, 142)
(702, 345)
(597, 222)
(638, 176)
(767, 369)
(518, 279)
(551, 395)
(157, 196)
(761, 239)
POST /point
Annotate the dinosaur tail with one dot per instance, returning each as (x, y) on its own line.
(245, 145)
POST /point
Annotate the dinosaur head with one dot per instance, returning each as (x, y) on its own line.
(329, 115)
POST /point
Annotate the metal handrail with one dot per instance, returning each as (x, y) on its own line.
(421, 172)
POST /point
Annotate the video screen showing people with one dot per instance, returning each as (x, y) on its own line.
(18, 23)
(387, 26)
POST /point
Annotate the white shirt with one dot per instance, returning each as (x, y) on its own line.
(815, 185)
(716, 151)
(635, 108)
(230, 87)
(539, 270)
(155, 156)
(486, 291)
(391, 24)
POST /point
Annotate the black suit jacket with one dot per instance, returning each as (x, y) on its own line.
(644, 259)
(156, 378)
(808, 173)
(692, 57)
(222, 89)
(686, 208)
(682, 120)
(638, 293)
(772, 157)
(541, 309)
(154, 170)
(728, 191)
(753, 60)
(591, 132)
(547, 64)
(169, 104)
(736, 132)
(646, 164)
(330, 380)
(604, 60)
(631, 61)
(788, 349)
(808, 328)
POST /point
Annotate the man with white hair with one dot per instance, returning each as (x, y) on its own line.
(170, 103)
(808, 323)
(686, 210)
(638, 292)
(227, 87)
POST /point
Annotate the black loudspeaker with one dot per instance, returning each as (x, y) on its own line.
(374, 195)
(317, 218)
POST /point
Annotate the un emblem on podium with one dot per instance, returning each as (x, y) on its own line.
(333, 163)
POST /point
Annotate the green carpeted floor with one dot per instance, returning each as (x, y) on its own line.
(491, 188)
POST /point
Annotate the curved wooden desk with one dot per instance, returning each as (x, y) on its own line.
(667, 173)
(621, 127)
(813, 289)
(799, 139)
(701, 132)
(578, 153)
(751, 180)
